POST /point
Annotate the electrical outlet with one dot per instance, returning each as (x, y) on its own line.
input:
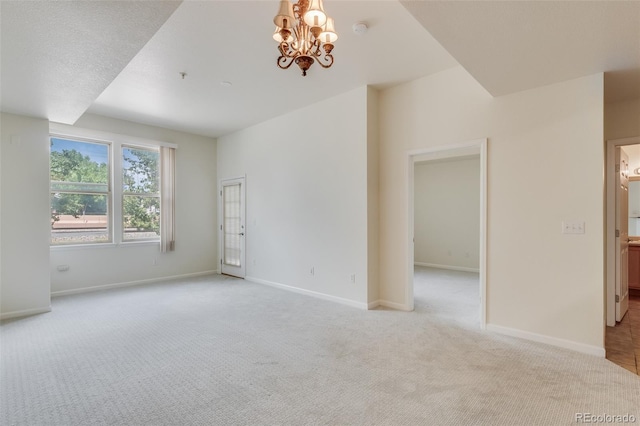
(312, 271)
(353, 278)
(155, 261)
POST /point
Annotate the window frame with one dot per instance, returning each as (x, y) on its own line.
(108, 193)
(116, 143)
(124, 193)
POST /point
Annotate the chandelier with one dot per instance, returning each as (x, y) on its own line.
(305, 34)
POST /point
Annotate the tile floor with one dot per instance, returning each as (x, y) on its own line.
(622, 342)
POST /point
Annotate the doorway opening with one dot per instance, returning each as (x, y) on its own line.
(622, 237)
(434, 263)
(616, 267)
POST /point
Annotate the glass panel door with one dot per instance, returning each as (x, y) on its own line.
(233, 230)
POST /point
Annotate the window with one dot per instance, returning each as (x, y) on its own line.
(80, 192)
(140, 194)
(99, 197)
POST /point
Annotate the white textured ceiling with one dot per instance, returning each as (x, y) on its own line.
(122, 59)
(231, 41)
(58, 56)
(510, 46)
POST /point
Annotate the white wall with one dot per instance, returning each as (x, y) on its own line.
(306, 188)
(545, 165)
(447, 213)
(196, 218)
(25, 216)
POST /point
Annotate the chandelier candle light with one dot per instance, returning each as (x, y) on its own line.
(305, 34)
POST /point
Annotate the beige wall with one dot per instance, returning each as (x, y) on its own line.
(373, 190)
(25, 216)
(622, 119)
(545, 165)
(447, 213)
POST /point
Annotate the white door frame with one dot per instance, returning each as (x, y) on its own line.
(609, 236)
(221, 219)
(449, 151)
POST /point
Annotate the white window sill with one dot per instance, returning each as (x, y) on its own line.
(70, 247)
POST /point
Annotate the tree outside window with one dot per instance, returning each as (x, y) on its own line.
(140, 193)
(79, 174)
(81, 182)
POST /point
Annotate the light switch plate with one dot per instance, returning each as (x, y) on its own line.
(572, 227)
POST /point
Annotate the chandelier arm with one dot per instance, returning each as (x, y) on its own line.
(284, 62)
(286, 50)
(315, 48)
(287, 55)
(328, 59)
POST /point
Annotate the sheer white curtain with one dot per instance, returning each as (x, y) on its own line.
(167, 199)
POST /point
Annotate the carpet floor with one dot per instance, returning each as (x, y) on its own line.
(221, 351)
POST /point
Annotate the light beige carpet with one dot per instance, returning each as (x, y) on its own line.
(221, 351)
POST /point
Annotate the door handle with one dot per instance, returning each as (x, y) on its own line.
(241, 234)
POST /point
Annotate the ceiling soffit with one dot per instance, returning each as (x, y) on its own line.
(510, 46)
(59, 56)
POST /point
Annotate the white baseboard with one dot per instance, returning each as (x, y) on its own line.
(449, 267)
(323, 296)
(25, 313)
(127, 284)
(373, 305)
(554, 341)
(391, 305)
